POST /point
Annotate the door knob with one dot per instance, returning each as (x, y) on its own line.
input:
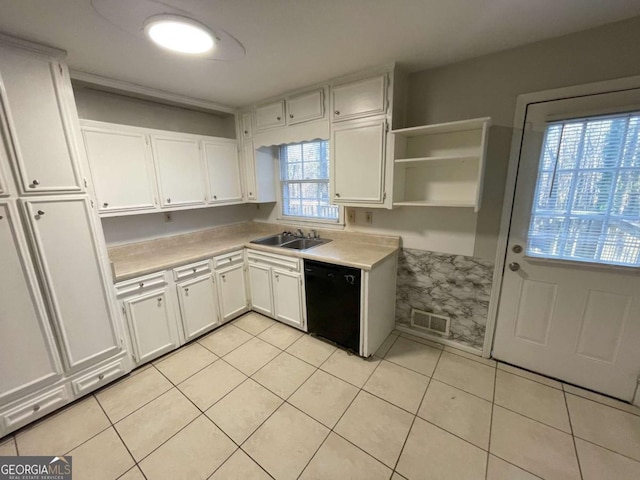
(514, 267)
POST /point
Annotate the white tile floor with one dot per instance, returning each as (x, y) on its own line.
(258, 400)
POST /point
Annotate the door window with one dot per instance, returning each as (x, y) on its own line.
(587, 199)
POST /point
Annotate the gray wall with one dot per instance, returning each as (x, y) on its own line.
(110, 107)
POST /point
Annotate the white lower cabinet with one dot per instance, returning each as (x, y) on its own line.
(288, 297)
(232, 291)
(276, 284)
(198, 306)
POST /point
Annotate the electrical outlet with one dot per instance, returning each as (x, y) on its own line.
(351, 215)
(167, 217)
(368, 216)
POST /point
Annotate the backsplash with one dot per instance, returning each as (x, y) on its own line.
(452, 285)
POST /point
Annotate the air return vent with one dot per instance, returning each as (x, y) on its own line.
(430, 322)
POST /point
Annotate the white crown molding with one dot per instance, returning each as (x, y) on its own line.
(140, 91)
(34, 47)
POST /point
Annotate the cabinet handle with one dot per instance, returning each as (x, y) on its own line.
(215, 197)
(194, 270)
(35, 183)
(337, 112)
(291, 115)
(186, 290)
(168, 200)
(278, 118)
(251, 194)
(105, 204)
(101, 376)
(160, 300)
(246, 132)
(224, 278)
(40, 213)
(141, 284)
(337, 195)
(36, 408)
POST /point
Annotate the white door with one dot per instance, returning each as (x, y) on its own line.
(570, 299)
(38, 108)
(232, 291)
(28, 354)
(223, 171)
(357, 161)
(287, 297)
(76, 282)
(198, 306)
(180, 170)
(260, 288)
(151, 325)
(122, 169)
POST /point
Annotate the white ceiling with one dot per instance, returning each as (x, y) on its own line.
(293, 43)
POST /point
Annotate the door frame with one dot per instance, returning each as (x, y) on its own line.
(522, 104)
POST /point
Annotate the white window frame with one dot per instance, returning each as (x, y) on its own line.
(296, 220)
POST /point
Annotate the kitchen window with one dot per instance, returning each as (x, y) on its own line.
(304, 182)
(587, 201)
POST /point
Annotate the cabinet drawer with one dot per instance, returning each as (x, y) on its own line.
(228, 259)
(287, 263)
(141, 284)
(98, 377)
(35, 407)
(196, 268)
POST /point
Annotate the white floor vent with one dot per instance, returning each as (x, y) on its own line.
(430, 322)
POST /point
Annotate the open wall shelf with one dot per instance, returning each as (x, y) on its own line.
(440, 165)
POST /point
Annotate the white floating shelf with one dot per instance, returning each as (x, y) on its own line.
(461, 126)
(444, 158)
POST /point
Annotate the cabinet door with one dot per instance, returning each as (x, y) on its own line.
(122, 169)
(287, 297)
(359, 99)
(260, 287)
(28, 355)
(76, 283)
(246, 126)
(40, 116)
(223, 170)
(198, 306)
(249, 157)
(151, 324)
(270, 116)
(305, 107)
(232, 291)
(358, 162)
(180, 170)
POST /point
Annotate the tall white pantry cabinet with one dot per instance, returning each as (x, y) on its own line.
(60, 334)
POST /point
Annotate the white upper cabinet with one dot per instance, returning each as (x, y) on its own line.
(76, 282)
(270, 115)
(223, 171)
(121, 168)
(246, 125)
(28, 354)
(259, 170)
(305, 107)
(38, 102)
(358, 99)
(358, 162)
(180, 170)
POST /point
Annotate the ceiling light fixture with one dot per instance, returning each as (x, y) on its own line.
(180, 34)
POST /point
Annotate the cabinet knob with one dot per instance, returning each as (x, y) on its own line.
(194, 270)
(101, 376)
(514, 267)
(160, 300)
(337, 195)
(105, 204)
(291, 115)
(168, 200)
(278, 118)
(224, 278)
(40, 213)
(35, 183)
(141, 284)
(246, 132)
(278, 277)
(250, 193)
(215, 197)
(186, 290)
(337, 112)
(1, 217)
(36, 408)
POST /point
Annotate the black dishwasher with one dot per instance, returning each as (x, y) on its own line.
(333, 302)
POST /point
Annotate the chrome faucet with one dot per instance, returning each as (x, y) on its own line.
(300, 233)
(314, 234)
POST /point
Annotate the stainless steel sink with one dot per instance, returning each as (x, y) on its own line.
(285, 240)
(304, 243)
(274, 240)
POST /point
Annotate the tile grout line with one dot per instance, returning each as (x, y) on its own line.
(573, 438)
(493, 404)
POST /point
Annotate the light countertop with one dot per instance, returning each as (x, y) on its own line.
(349, 249)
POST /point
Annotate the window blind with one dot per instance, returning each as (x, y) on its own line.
(586, 205)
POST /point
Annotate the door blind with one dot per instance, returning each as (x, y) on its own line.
(587, 199)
